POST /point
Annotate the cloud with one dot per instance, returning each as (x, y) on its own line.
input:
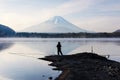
(111, 8)
(17, 16)
(101, 24)
(4, 78)
(20, 14)
(107, 6)
(67, 8)
(70, 7)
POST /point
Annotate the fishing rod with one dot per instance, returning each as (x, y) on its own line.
(29, 55)
(23, 55)
(34, 55)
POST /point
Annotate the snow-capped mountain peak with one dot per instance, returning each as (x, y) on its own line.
(56, 24)
(57, 20)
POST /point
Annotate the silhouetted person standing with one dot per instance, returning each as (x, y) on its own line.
(59, 48)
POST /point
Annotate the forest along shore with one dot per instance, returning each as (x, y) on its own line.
(84, 66)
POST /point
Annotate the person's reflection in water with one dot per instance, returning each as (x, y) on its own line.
(59, 48)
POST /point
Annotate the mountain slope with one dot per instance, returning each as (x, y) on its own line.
(56, 24)
(117, 31)
(5, 31)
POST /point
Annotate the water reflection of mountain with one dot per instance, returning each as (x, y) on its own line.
(5, 45)
(50, 46)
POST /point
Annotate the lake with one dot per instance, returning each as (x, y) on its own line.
(18, 56)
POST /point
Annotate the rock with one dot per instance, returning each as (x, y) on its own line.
(85, 66)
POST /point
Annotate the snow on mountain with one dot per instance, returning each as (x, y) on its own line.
(55, 24)
(6, 31)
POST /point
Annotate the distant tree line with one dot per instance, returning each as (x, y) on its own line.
(68, 35)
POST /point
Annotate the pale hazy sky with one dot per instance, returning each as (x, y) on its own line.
(94, 15)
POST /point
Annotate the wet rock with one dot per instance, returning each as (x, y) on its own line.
(85, 66)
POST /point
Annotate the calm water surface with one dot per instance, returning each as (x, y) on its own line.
(18, 56)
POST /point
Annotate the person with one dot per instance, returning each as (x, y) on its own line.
(59, 48)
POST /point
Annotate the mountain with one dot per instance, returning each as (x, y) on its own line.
(117, 31)
(55, 24)
(5, 31)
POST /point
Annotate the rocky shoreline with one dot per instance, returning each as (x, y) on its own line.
(84, 66)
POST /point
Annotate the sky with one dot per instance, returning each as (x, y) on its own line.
(93, 15)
